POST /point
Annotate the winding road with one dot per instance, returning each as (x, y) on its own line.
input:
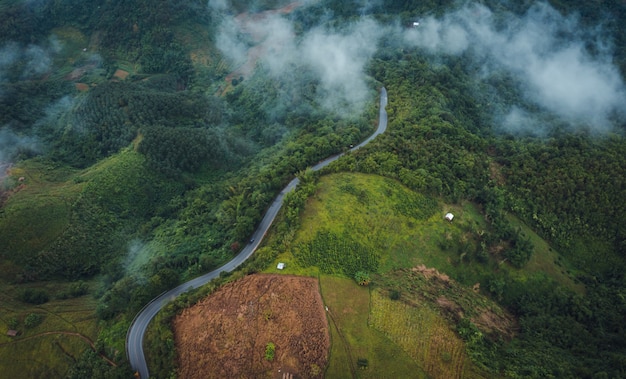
(134, 337)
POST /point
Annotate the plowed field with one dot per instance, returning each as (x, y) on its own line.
(226, 335)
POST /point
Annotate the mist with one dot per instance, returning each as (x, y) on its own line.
(30, 62)
(547, 53)
(138, 254)
(13, 144)
(333, 58)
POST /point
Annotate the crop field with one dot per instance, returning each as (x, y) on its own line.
(52, 336)
(423, 334)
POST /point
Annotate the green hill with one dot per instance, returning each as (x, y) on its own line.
(141, 142)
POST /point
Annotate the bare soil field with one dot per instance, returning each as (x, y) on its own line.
(227, 334)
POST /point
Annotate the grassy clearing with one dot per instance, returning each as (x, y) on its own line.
(407, 228)
(354, 341)
(545, 260)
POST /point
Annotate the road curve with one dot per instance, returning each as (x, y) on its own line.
(134, 337)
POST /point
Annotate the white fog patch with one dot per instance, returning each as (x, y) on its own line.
(437, 37)
(334, 59)
(339, 60)
(137, 256)
(31, 61)
(544, 50)
(56, 114)
(520, 121)
(12, 144)
(38, 61)
(230, 42)
(277, 46)
(219, 5)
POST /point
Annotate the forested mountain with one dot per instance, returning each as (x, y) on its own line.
(141, 142)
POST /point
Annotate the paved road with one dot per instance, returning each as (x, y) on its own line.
(134, 337)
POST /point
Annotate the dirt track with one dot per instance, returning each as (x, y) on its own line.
(225, 336)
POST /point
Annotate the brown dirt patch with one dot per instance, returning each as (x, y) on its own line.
(120, 74)
(225, 335)
(495, 173)
(82, 87)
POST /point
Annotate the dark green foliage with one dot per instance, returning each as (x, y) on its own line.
(394, 295)
(75, 289)
(20, 23)
(112, 114)
(24, 102)
(568, 187)
(13, 323)
(362, 278)
(32, 320)
(173, 151)
(362, 363)
(339, 254)
(91, 365)
(34, 296)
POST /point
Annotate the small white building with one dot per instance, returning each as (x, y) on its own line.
(449, 216)
(280, 265)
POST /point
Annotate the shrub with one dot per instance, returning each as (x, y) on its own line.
(79, 288)
(394, 295)
(34, 296)
(32, 320)
(13, 323)
(270, 351)
(362, 277)
(362, 363)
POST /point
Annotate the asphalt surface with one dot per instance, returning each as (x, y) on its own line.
(134, 337)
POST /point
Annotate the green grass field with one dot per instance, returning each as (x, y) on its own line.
(353, 339)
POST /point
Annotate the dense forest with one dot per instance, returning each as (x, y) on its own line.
(139, 154)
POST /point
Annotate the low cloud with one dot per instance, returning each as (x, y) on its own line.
(13, 144)
(339, 60)
(546, 52)
(27, 62)
(335, 59)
